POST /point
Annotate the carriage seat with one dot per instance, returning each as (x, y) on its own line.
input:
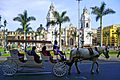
(14, 53)
(36, 57)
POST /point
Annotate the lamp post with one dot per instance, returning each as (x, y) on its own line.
(4, 32)
(78, 23)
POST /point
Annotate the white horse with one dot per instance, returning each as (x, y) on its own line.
(86, 54)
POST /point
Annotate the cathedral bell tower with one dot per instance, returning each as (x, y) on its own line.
(50, 28)
(86, 27)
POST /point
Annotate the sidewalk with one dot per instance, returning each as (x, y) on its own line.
(111, 58)
(3, 58)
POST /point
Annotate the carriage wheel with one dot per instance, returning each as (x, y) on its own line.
(9, 67)
(59, 69)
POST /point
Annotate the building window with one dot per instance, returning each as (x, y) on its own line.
(71, 41)
(62, 41)
(18, 37)
(87, 25)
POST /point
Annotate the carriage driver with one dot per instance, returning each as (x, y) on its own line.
(56, 48)
(57, 51)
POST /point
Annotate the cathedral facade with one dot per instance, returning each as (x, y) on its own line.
(70, 35)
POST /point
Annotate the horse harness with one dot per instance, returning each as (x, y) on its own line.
(97, 49)
(90, 51)
(78, 55)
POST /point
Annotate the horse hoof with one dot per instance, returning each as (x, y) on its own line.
(69, 73)
(97, 70)
(92, 72)
(78, 72)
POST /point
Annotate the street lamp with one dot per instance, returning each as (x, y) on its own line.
(78, 23)
(4, 32)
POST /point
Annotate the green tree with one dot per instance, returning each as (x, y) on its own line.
(60, 18)
(24, 22)
(118, 35)
(106, 34)
(100, 12)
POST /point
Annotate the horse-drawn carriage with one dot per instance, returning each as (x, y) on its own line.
(14, 65)
(59, 68)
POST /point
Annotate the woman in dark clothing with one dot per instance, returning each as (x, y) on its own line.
(33, 51)
(36, 57)
(45, 52)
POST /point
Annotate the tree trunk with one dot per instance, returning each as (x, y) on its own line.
(25, 36)
(25, 40)
(60, 36)
(101, 31)
(118, 40)
(107, 41)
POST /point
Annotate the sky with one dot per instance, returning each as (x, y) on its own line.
(39, 9)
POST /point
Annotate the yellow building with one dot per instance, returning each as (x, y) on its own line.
(111, 38)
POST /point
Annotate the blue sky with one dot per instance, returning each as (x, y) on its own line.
(39, 8)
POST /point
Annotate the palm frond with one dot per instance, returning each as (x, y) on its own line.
(29, 29)
(97, 18)
(51, 23)
(66, 19)
(102, 8)
(63, 13)
(95, 10)
(17, 19)
(106, 34)
(27, 25)
(31, 18)
(108, 11)
(19, 30)
(56, 14)
(25, 14)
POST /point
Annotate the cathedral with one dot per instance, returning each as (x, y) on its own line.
(69, 39)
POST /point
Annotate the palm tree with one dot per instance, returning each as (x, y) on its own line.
(106, 34)
(24, 22)
(21, 30)
(60, 18)
(118, 35)
(100, 12)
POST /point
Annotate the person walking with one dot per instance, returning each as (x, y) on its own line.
(118, 52)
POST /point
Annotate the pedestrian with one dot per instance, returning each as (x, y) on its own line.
(118, 51)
